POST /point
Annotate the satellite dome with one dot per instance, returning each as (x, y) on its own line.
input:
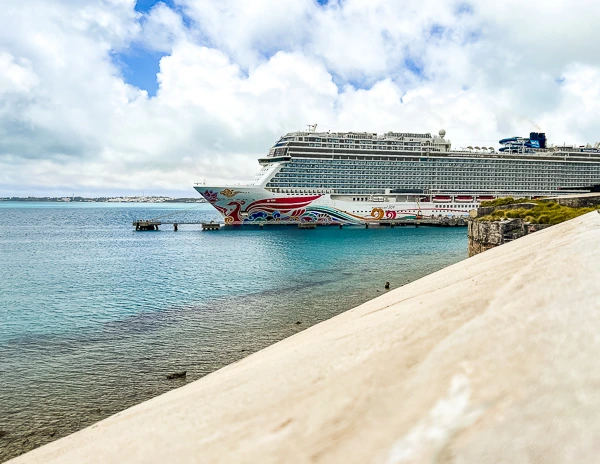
(442, 132)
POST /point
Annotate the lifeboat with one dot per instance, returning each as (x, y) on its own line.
(463, 198)
(442, 198)
(485, 197)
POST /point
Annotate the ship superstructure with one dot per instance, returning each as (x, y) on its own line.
(332, 177)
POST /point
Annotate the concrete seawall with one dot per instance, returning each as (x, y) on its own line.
(493, 359)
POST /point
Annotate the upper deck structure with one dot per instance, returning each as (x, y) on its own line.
(369, 163)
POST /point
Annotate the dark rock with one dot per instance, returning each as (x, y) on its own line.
(298, 322)
(176, 375)
(3, 433)
(583, 201)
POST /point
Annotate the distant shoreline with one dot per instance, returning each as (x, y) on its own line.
(142, 199)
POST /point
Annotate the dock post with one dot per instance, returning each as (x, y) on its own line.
(260, 225)
(366, 225)
(175, 227)
(341, 226)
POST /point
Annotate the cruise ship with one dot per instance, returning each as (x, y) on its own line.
(358, 177)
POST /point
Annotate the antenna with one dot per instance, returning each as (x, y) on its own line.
(312, 127)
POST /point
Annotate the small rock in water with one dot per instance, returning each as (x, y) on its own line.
(176, 375)
(298, 322)
(3, 433)
(387, 285)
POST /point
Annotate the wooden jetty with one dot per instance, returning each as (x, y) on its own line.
(153, 224)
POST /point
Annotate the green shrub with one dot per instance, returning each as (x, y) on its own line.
(543, 219)
(543, 213)
(499, 202)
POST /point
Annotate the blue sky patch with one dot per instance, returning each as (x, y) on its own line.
(359, 83)
(144, 6)
(437, 31)
(413, 66)
(139, 68)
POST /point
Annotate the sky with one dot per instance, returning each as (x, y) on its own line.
(118, 97)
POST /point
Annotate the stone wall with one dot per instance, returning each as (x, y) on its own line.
(484, 235)
(577, 201)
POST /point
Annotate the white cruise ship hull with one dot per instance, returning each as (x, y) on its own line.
(362, 177)
(253, 204)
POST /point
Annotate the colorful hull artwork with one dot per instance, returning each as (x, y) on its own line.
(253, 205)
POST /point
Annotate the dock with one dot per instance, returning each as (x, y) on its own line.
(154, 224)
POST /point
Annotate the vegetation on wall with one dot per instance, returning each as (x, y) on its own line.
(544, 212)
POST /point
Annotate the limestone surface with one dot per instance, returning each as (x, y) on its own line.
(491, 360)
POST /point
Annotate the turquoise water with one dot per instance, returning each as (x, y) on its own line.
(93, 314)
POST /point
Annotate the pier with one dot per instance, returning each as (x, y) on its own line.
(154, 224)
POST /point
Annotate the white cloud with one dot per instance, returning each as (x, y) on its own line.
(163, 28)
(236, 75)
(16, 76)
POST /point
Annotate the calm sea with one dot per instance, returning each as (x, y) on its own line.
(93, 315)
